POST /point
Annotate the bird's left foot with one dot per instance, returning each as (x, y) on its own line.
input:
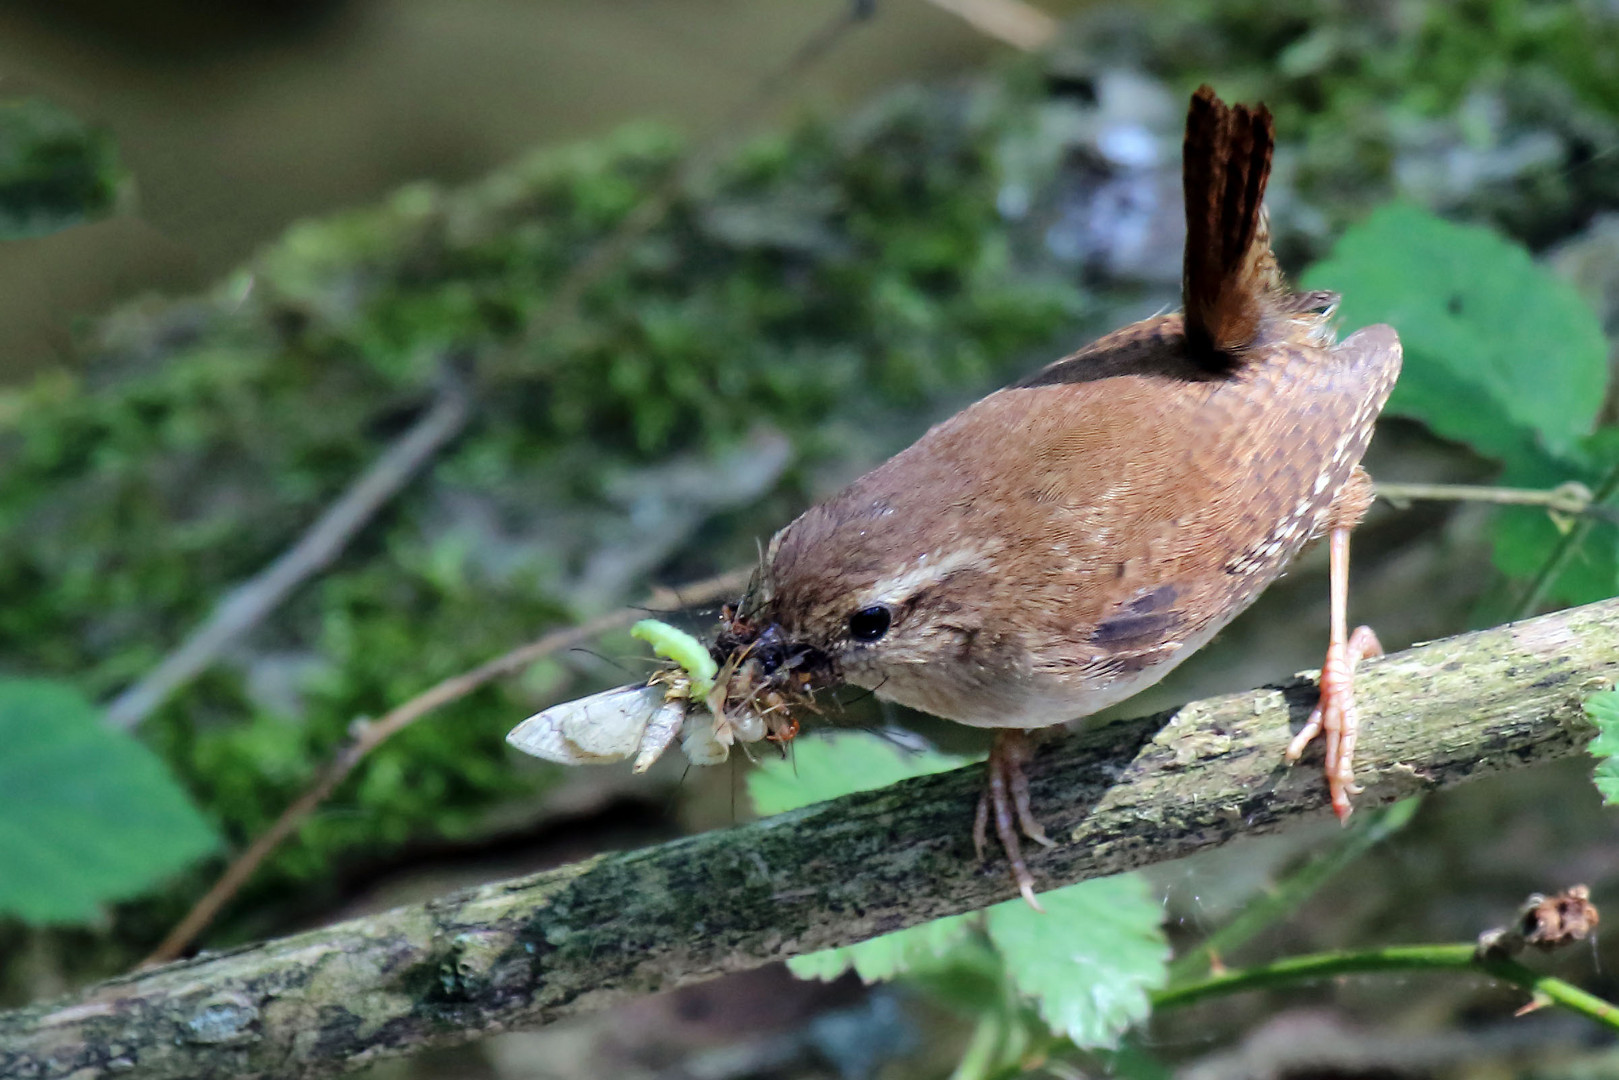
(1336, 717)
(1006, 800)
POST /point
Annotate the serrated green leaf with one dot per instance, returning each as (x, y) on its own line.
(839, 764)
(1090, 960)
(1603, 709)
(1499, 352)
(886, 956)
(87, 814)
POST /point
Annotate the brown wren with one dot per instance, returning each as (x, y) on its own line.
(1066, 541)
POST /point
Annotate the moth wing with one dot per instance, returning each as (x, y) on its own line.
(609, 725)
(592, 730)
(541, 736)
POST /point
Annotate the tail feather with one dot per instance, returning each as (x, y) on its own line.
(1229, 270)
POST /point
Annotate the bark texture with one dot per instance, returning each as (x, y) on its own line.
(528, 951)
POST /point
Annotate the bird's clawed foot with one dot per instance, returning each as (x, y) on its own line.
(1336, 717)
(1006, 799)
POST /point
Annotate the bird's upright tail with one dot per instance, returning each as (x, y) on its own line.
(1229, 270)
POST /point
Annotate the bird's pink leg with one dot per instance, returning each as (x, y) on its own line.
(1335, 716)
(1006, 799)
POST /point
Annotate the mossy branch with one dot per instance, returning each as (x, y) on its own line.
(529, 951)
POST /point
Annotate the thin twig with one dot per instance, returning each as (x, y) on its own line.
(367, 736)
(249, 603)
(1296, 969)
(1014, 22)
(1572, 498)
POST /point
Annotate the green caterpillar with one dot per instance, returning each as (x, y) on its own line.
(683, 649)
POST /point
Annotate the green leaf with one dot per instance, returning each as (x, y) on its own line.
(832, 765)
(889, 955)
(1499, 352)
(87, 814)
(839, 764)
(1603, 709)
(1090, 960)
(55, 171)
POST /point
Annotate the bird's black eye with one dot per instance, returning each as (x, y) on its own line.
(869, 624)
